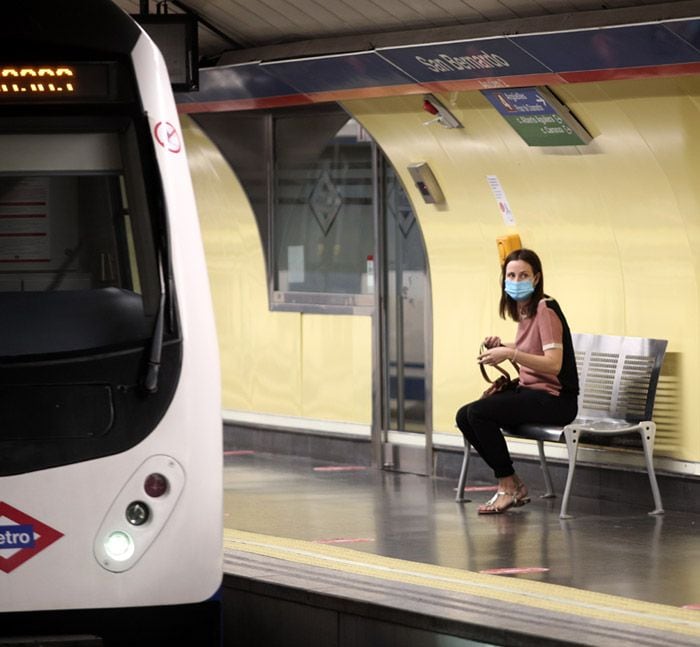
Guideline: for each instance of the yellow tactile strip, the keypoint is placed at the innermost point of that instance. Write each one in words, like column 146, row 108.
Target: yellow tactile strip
column 550, row 597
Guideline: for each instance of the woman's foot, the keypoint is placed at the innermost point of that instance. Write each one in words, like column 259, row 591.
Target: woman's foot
column 521, row 493
column 498, row 503
column 512, row 493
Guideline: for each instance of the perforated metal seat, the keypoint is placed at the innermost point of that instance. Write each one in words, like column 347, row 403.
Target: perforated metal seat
column 618, row 378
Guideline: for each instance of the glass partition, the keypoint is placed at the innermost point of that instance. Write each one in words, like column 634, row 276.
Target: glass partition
column 323, row 212
column 407, row 309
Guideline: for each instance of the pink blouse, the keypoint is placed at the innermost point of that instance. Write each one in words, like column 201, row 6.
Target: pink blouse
column 536, row 335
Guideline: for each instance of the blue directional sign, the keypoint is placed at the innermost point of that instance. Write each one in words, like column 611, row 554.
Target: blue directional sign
column 538, row 117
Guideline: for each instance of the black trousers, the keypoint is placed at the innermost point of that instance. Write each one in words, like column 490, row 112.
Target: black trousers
column 480, row 422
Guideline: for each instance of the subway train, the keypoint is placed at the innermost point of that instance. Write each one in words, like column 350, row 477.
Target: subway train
column 110, row 414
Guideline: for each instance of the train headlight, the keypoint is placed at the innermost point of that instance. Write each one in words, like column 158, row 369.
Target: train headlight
column 137, row 513
column 119, row 546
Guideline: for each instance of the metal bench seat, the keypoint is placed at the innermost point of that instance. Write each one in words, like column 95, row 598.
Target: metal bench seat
column 618, row 377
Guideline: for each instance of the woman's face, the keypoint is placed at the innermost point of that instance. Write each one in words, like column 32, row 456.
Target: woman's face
column 521, row 271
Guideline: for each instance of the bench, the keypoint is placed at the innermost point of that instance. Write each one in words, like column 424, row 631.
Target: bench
column 618, row 378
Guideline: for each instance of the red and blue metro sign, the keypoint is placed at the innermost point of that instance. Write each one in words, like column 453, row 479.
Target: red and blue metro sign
column 21, row 537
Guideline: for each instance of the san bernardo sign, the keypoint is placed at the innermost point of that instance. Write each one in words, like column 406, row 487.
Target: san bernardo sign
column 474, row 59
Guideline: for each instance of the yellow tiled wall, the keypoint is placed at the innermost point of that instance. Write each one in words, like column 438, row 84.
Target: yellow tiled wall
column 616, row 223
column 310, row 366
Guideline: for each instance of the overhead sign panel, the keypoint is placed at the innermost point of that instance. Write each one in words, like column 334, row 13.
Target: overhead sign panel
column 538, row 117
column 688, row 30
column 340, row 72
column 468, row 59
column 615, row 49
column 548, row 58
column 177, row 38
column 236, row 82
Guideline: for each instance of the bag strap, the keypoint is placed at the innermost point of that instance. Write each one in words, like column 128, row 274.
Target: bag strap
column 498, row 367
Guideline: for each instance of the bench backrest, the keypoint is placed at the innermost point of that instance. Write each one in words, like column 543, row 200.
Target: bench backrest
column 617, row 375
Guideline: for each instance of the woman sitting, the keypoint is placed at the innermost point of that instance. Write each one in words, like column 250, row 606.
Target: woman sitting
column 548, row 382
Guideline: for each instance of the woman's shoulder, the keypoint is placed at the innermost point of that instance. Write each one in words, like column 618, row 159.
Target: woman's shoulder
column 549, row 305
column 547, row 302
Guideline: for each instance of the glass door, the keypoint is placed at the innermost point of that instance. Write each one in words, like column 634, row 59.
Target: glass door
column 405, row 331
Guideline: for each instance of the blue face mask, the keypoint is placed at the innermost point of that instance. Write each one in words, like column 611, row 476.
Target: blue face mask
column 519, row 290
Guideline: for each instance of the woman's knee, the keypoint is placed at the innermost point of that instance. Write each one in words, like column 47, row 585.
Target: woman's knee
column 462, row 418
column 475, row 412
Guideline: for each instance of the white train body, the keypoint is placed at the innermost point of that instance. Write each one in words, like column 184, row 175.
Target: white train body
column 115, row 227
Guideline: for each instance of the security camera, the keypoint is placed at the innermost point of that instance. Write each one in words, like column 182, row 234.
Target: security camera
column 442, row 115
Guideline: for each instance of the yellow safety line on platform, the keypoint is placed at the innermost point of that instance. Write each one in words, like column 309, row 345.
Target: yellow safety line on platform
column 552, row 597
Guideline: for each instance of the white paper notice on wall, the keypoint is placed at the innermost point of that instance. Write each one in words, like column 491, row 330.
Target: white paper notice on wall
column 501, row 200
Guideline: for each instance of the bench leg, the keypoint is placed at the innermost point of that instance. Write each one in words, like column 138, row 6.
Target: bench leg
column 549, row 494
column 463, row 475
column 648, row 434
column 572, row 436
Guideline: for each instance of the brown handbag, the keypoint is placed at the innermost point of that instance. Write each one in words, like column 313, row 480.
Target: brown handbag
column 504, row 382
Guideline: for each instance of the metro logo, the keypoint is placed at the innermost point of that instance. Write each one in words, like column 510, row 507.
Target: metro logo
column 21, row 537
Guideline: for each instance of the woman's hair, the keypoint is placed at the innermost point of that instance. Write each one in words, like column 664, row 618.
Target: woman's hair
column 510, row 306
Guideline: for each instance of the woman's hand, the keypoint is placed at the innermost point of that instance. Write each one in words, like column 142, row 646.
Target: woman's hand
column 492, row 342
column 495, row 355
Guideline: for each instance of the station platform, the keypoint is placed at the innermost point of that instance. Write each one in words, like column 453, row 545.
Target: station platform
column 334, row 555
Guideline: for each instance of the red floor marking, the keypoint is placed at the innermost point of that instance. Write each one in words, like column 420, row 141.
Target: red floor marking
column 514, row 571
column 481, row 488
column 695, row 607
column 340, row 468
column 341, row 540
column 239, row 452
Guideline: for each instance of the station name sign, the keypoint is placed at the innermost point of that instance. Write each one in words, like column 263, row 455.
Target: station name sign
column 480, row 61
column 475, row 59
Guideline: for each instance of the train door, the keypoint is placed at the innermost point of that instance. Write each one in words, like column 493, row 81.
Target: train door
column 404, row 331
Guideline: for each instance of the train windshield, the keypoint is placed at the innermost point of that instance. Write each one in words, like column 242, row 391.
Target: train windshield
column 78, row 266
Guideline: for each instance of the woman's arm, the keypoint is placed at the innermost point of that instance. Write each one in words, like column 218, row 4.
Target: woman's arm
column 550, row 362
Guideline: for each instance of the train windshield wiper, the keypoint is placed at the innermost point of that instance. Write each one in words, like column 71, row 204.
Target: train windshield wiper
column 150, row 378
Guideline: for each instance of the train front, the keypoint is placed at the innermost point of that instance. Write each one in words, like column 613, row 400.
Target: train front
column 110, row 427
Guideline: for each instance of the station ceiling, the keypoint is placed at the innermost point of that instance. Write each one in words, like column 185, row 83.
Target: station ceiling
column 230, row 28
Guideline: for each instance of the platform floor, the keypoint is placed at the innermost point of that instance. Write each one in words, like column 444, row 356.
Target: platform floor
column 606, row 550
